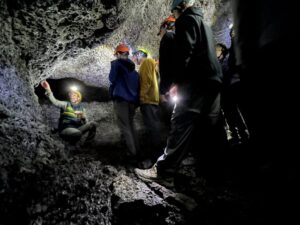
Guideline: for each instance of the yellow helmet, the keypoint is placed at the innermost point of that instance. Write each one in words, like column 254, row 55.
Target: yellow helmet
column 143, row 51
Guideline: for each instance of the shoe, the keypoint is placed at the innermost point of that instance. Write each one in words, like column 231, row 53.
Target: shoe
column 150, row 175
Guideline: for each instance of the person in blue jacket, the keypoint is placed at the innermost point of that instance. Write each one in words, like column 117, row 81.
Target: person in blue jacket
column 124, row 91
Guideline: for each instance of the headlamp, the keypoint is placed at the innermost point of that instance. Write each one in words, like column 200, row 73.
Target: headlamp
column 74, row 88
column 174, row 99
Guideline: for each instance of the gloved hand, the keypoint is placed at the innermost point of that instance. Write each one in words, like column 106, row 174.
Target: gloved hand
column 79, row 114
column 45, row 85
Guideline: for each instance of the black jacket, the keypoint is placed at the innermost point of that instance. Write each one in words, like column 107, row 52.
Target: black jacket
column 166, row 61
column 195, row 49
column 198, row 72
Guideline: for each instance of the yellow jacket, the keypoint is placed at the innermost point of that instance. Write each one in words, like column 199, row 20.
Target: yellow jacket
column 149, row 92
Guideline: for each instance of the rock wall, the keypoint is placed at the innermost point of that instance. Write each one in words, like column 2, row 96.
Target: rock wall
column 60, row 38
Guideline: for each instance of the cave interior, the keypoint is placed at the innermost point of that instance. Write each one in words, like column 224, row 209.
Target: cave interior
column 43, row 179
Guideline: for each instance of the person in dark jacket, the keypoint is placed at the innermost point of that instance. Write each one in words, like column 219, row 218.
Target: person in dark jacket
column 73, row 122
column 167, row 54
column 198, row 81
column 166, row 66
column 124, row 90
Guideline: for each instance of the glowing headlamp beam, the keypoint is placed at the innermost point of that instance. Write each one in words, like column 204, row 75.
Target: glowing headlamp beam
column 74, row 88
column 174, row 99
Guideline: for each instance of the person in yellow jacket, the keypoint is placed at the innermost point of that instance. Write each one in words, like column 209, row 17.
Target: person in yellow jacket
column 149, row 100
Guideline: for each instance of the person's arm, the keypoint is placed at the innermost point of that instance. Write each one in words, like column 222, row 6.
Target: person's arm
column 54, row 101
column 185, row 39
column 49, row 94
column 112, row 78
column 113, row 72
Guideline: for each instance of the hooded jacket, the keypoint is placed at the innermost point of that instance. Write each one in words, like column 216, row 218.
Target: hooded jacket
column 124, row 81
column 196, row 56
column 198, row 72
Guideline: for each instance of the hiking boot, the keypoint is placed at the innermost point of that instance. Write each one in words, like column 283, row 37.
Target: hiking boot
column 150, row 175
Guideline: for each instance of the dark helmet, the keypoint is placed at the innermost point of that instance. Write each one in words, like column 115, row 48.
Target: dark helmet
column 176, row 3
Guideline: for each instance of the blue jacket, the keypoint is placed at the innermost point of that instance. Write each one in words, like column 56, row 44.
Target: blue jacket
column 124, row 79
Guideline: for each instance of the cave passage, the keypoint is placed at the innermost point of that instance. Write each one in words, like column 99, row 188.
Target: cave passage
column 61, row 88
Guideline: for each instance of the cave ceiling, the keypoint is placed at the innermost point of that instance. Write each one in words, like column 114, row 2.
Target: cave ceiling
column 75, row 38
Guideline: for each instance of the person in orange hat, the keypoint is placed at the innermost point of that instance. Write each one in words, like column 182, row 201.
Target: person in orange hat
column 73, row 122
column 124, row 91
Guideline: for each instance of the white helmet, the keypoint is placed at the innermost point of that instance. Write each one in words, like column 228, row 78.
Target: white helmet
column 177, row 2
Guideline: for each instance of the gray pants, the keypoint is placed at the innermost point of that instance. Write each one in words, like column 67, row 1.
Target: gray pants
column 125, row 112
column 74, row 134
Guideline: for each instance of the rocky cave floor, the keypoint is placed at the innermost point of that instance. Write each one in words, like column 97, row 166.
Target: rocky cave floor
column 95, row 184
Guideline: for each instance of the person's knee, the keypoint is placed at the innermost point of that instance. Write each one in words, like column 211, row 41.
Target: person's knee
column 71, row 134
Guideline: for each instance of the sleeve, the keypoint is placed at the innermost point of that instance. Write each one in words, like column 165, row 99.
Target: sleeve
column 113, row 72
column 54, row 101
column 112, row 78
column 157, row 73
column 186, row 39
column 145, row 77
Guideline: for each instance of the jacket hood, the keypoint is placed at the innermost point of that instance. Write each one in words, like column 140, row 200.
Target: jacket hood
column 127, row 63
column 193, row 11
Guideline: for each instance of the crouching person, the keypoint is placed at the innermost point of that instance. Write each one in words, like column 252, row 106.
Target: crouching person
column 72, row 122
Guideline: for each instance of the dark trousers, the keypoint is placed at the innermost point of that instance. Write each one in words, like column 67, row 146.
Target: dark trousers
column 151, row 118
column 73, row 135
column 191, row 130
column 166, row 109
